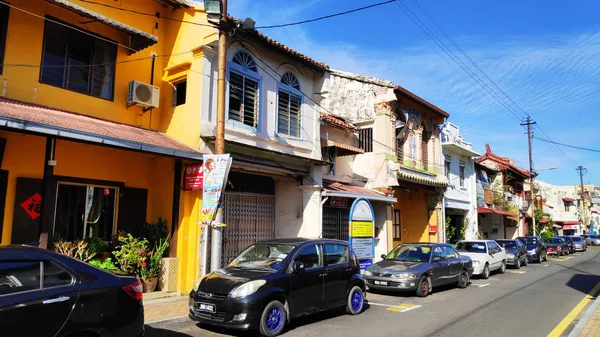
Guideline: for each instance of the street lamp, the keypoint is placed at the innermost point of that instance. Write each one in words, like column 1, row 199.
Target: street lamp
column 214, row 9
column 534, row 173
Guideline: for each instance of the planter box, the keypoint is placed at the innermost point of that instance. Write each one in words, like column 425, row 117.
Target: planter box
column 169, row 274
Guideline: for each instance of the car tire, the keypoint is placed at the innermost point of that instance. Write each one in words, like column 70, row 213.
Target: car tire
column 525, row 261
column 546, row 257
column 424, row 286
column 273, row 319
column 503, row 267
column 518, row 263
column 463, row 279
column 486, row 272
column 355, row 302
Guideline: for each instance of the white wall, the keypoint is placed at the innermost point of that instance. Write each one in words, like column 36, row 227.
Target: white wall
column 288, row 208
column 492, row 222
column 381, row 246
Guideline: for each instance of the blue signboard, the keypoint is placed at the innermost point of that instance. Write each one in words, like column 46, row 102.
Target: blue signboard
column 362, row 231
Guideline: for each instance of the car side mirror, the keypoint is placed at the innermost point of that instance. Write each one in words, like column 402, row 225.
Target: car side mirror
column 383, row 256
column 298, row 267
column 437, row 258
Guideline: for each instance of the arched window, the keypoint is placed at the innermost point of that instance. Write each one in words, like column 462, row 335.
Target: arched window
column 243, row 89
column 289, row 106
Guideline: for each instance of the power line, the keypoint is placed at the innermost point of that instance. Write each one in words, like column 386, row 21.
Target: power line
column 571, row 146
column 327, row 16
column 157, row 15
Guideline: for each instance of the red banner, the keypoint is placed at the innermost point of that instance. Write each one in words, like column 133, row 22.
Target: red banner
column 194, row 177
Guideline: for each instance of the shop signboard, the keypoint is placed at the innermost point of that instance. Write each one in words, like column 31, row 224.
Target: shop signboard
column 194, row 177
column 215, row 172
column 361, row 231
column 339, row 201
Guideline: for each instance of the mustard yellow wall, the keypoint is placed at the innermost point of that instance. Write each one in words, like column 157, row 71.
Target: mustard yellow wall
column 23, row 157
column 188, row 235
column 414, row 216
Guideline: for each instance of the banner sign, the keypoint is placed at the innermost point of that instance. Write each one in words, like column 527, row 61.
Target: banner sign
column 362, row 229
column 215, row 172
column 194, row 177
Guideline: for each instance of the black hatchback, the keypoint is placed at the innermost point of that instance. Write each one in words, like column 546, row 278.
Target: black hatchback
column 43, row 293
column 273, row 281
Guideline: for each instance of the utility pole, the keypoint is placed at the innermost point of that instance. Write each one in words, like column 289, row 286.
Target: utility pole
column 582, row 170
column 217, row 229
column 529, row 122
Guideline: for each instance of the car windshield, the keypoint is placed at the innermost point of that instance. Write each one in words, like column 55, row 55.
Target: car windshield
column 529, row 241
column 262, row 256
column 412, row 253
column 594, row 236
column 566, row 238
column 577, row 239
column 471, row 247
column 557, row 241
column 507, row 244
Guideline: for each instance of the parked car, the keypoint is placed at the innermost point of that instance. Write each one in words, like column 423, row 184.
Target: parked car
column 569, row 242
column 487, row 256
column 536, row 250
column 556, row 246
column 419, row 267
column 595, row 240
column 587, row 239
column 516, row 252
column 578, row 244
column 273, row 281
column 43, row 293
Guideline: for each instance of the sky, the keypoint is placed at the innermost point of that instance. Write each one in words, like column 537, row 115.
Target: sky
column 544, row 55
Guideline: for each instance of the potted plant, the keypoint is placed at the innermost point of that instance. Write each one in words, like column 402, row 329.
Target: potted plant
column 151, row 266
column 130, row 253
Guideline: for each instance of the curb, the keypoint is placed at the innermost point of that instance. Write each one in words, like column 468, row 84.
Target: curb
column 170, row 321
column 585, row 319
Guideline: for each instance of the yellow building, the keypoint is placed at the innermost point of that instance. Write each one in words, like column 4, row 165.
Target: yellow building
column 96, row 123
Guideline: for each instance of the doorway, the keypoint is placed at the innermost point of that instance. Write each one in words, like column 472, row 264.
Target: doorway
column 456, row 228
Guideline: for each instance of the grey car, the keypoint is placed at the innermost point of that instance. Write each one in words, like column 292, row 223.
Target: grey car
column 579, row 244
column 595, row 240
column 419, row 267
column 516, row 252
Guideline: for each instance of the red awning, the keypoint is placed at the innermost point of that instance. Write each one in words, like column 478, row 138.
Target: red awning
column 486, row 210
column 345, row 190
column 569, row 222
column 568, row 199
column 544, row 220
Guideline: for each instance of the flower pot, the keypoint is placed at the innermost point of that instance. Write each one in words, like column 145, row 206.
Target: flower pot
column 149, row 284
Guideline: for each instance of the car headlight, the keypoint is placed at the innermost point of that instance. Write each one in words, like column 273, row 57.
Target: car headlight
column 366, row 273
column 404, row 276
column 510, row 255
column 247, row 288
column 475, row 262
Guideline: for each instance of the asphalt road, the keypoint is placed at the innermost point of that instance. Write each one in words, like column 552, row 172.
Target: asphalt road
column 526, row 302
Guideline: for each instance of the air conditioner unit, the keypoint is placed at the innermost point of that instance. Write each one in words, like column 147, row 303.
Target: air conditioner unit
column 143, row 94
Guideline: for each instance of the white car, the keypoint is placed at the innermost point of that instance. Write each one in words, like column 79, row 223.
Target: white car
column 487, row 256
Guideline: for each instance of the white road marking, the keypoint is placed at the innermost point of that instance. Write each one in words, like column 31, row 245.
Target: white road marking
column 411, row 308
column 517, row 272
column 482, row 285
column 545, row 265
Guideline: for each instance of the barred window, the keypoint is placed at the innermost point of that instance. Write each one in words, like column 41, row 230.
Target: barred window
column 365, row 139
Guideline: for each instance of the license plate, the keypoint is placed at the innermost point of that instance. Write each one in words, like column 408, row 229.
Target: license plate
column 207, row 307
column 381, row 283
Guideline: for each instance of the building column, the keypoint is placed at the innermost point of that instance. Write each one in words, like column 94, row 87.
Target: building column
column 48, row 190
column 312, row 214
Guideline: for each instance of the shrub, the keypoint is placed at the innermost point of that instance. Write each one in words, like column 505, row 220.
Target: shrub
column 77, row 249
column 107, row 264
column 546, row 235
column 131, row 254
column 96, row 244
column 151, row 267
column 153, row 232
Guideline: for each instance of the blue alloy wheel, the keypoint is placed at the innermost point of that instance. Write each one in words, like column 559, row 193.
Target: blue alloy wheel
column 274, row 319
column 357, row 300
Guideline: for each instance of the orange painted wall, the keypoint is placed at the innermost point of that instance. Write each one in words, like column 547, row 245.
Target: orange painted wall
column 414, row 216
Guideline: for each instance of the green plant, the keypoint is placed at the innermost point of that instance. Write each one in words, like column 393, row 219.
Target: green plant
column 450, row 230
column 131, row 253
column 77, row 249
column 153, row 232
column 151, row 267
column 546, row 235
column 107, row 264
column 96, row 244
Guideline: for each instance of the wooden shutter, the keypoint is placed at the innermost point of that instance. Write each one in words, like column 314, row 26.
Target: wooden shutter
column 132, row 209
column 250, row 102
column 236, row 94
column 283, row 120
column 425, row 149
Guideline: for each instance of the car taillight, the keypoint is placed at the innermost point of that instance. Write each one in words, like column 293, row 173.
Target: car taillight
column 135, row 290
column 558, row 248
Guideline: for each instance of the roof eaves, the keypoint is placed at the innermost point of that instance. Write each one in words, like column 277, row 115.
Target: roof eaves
column 400, row 91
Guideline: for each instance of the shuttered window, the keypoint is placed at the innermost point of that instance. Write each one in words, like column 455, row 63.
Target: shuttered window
column 243, row 99
column 365, row 139
column 288, row 121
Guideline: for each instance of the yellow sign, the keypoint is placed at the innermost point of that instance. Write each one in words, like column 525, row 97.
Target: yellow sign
column 361, row 229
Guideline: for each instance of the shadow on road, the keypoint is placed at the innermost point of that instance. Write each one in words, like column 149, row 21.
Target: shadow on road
column 157, row 332
column 584, row 282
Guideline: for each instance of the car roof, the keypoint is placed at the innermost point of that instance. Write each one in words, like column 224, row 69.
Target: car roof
column 426, row 243
column 476, row 240
column 298, row 241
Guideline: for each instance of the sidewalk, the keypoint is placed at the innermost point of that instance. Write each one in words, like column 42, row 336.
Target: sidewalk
column 589, row 325
column 168, row 309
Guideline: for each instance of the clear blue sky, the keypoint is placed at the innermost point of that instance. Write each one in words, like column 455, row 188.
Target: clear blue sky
column 544, row 54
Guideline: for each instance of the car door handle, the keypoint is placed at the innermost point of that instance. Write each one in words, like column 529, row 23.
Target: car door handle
column 348, row 269
column 323, row 275
column 56, row 300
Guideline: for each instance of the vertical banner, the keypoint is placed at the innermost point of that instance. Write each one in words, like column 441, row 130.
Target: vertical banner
column 215, row 172
column 362, row 231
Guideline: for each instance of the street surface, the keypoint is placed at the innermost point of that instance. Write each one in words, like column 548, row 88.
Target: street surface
column 530, row 302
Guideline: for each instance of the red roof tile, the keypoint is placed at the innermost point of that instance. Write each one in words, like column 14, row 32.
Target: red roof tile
column 486, row 210
column 342, row 149
column 337, row 186
column 69, row 121
column 337, row 121
column 503, row 162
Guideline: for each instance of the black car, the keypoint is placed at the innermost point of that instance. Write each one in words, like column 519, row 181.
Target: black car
column 273, row 281
column 570, row 243
column 43, row 293
column 536, row 250
column 556, row 246
column 516, row 252
column 419, row 267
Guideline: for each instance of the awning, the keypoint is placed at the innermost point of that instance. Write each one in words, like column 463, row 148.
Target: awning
column 339, row 189
column 544, row 220
column 342, row 149
column 20, row 116
column 139, row 39
column 568, row 200
column 422, row 179
column 486, row 210
column 568, row 222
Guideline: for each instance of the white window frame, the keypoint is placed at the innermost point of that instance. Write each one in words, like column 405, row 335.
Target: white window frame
column 244, row 72
column 462, row 172
column 291, row 91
